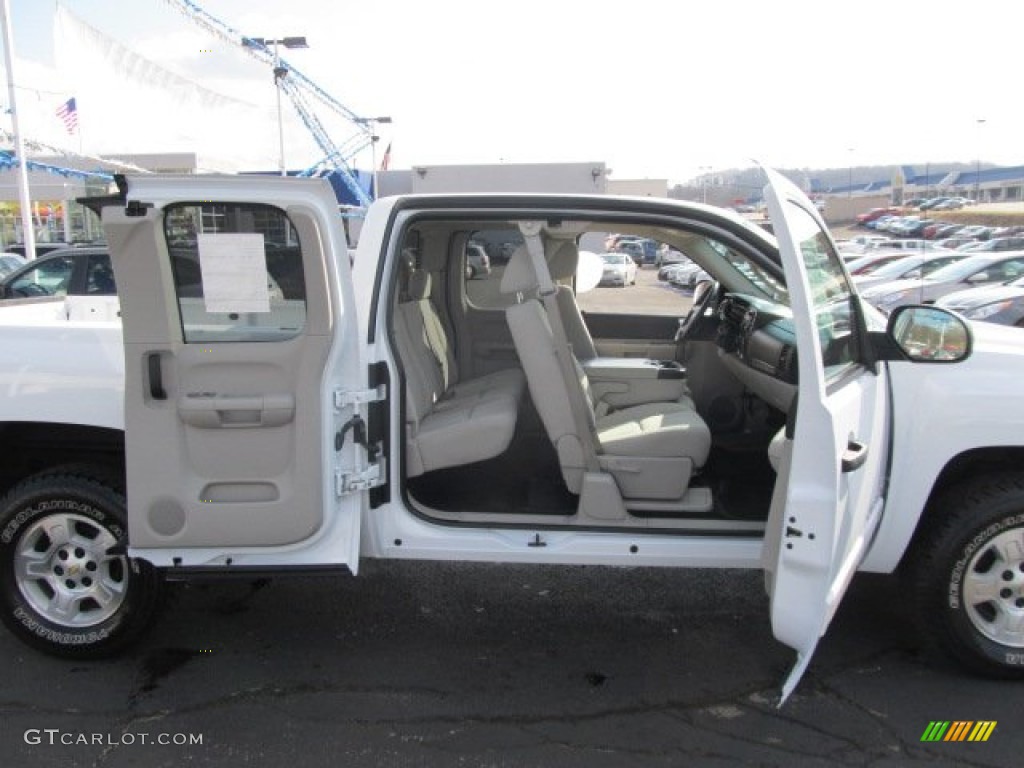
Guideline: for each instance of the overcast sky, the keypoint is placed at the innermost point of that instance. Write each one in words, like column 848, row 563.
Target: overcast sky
column 655, row 88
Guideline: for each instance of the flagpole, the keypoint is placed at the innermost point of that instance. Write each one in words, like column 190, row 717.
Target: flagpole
column 29, row 234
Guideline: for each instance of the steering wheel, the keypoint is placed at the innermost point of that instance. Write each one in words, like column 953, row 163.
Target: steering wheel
column 705, row 295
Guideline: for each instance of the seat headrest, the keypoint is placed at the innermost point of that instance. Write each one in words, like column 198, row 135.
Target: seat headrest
column 419, row 285
column 563, row 259
column 519, row 276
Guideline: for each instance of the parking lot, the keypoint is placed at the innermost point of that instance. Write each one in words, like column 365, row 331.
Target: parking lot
column 648, row 296
column 431, row 664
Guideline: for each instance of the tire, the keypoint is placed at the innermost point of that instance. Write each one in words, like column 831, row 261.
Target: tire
column 61, row 592
column 967, row 575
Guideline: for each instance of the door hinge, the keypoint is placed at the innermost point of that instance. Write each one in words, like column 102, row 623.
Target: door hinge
column 349, row 397
column 355, row 480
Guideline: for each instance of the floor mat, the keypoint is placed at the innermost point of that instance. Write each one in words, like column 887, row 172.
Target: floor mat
column 741, row 483
column 524, row 479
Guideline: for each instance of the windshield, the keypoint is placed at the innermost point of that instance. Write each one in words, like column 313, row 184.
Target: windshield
column 613, row 258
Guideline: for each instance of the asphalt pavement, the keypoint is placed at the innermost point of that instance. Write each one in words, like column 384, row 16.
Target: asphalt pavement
column 438, row 664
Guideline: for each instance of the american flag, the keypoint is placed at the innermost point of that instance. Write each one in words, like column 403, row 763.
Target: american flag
column 68, row 112
column 386, row 161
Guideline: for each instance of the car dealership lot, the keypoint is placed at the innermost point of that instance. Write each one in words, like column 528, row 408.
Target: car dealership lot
column 462, row 664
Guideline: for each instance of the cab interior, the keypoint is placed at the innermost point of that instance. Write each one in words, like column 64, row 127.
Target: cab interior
column 522, row 409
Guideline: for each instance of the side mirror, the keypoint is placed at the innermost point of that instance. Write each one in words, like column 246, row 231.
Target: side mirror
column 914, row 274
column 927, row 334
column 978, row 277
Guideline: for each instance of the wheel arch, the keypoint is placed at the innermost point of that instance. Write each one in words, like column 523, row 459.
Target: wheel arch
column 969, row 464
column 27, row 448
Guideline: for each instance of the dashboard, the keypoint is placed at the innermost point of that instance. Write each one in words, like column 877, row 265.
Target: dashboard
column 756, row 341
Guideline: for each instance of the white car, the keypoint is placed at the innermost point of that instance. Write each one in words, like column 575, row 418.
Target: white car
column 619, row 269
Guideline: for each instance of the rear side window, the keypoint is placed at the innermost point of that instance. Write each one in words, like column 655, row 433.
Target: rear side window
column 485, row 257
column 237, row 272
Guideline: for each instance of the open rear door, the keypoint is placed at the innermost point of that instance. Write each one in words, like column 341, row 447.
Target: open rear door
column 828, row 498
column 242, row 368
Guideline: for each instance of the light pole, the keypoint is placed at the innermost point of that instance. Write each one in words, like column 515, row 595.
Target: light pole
column 977, row 165
column 279, row 74
column 371, row 123
column 28, row 234
column 849, row 174
column 705, row 171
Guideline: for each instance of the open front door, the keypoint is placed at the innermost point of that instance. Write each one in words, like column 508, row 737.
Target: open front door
column 828, row 497
column 242, row 367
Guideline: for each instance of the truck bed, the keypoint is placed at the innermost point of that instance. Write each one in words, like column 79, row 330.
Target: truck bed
column 61, row 361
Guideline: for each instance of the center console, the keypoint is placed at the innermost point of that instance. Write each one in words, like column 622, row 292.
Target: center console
column 624, row 381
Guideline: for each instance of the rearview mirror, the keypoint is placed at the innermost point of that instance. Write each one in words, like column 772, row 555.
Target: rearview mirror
column 927, row 334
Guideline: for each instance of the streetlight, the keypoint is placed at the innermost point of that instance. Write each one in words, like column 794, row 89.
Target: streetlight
column 849, row 175
column 977, row 165
column 705, row 171
column 279, row 74
column 371, row 124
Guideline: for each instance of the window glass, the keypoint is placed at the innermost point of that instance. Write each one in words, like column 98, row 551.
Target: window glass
column 237, row 272
column 831, row 295
column 50, row 278
column 483, row 262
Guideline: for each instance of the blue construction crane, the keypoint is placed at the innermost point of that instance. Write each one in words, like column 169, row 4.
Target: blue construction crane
column 298, row 87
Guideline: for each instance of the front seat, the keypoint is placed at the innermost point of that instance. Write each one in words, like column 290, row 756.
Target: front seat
column 563, row 258
column 650, row 450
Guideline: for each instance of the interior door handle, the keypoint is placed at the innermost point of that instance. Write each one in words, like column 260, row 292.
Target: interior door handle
column 154, row 371
column 209, row 410
column 854, row 456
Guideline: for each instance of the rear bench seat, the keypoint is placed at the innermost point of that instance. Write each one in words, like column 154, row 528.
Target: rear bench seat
column 448, row 422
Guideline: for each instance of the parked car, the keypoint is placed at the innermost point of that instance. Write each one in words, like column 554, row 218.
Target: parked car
column 975, row 270
column 913, row 227
column 1003, row 303
column 42, row 249
column 976, row 231
column 947, row 230
column 1015, row 243
column 665, row 271
column 858, row 245
column 875, row 213
column 619, row 269
column 872, row 260
column 74, row 271
column 478, row 263
column 688, row 276
column 881, row 222
column 909, row 268
column 954, row 243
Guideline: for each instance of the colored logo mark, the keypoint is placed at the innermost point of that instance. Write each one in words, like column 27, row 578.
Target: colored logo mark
column 958, row 730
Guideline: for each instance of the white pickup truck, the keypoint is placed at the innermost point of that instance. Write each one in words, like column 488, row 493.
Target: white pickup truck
column 270, row 407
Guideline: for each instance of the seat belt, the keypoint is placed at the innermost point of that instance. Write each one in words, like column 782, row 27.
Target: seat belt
column 582, row 413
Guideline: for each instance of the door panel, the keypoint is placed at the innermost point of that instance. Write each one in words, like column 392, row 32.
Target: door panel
column 639, row 336
column 231, row 365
